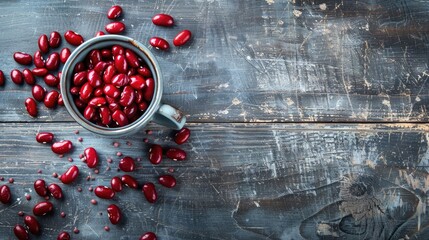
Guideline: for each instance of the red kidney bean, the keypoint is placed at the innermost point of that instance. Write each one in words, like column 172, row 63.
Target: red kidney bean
column 70, row 175
column 106, row 54
column 114, row 106
column 54, row 39
column 176, row 154
column 131, row 110
column 137, row 82
column 80, row 78
column 5, row 195
column 182, row 38
column 98, row 92
column 100, row 66
column 63, row 236
column 51, row 99
column 120, row 80
column 120, row 118
column 32, row 224
column 79, row 103
column 118, row 50
column 121, row 63
column 104, row 192
column 73, row 38
column 31, row 106
column 111, row 91
column 62, row 147
column 114, row 12
column 114, row 214
column 53, row 61
column 99, row 33
column 127, row 96
column 167, row 181
column 75, row 90
column 94, row 78
column 91, row 157
column 43, row 43
column 108, row 74
column 139, row 96
column 132, row 58
column 65, row 54
column 60, row 100
column 40, row 187
column 148, row 236
column 16, row 76
column 129, row 181
column 150, row 192
column 131, row 72
column 28, row 77
column 164, row 20
column 182, row 136
column 20, row 232
column 89, row 113
column 95, row 56
column 23, row 58
column 79, row 67
column 38, row 59
column 51, row 80
column 40, row 72
column 1, row 78
column 86, row 91
column 44, row 137
column 155, row 154
column 55, row 191
column 149, row 90
column 143, row 106
column 127, row 164
column 144, row 71
column 115, row 27
column 116, row 184
column 97, row 102
column 105, row 116
column 159, row 43
column 43, row 208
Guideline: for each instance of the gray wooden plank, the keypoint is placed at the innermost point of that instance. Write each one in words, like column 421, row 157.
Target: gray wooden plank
column 271, row 61
column 241, row 181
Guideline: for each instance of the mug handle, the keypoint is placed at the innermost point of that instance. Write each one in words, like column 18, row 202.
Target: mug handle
column 170, row 117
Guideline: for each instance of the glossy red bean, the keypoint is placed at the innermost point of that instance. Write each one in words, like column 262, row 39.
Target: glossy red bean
column 139, row 96
column 89, row 113
column 43, row 208
column 148, row 236
column 94, row 78
column 51, row 80
column 144, row 71
column 127, row 164
column 79, row 103
column 98, row 92
column 176, row 154
column 149, row 90
column 31, row 106
column 2, row 78
column 86, row 91
column 79, row 67
column 20, row 232
column 108, row 74
column 111, row 91
column 75, row 90
column 115, row 27
column 55, row 191
column 104, row 192
column 51, row 99
column 95, row 56
column 114, row 214
column 5, row 195
column 105, row 116
column 143, row 106
column 120, row 118
column 38, row 59
column 62, row 147
column 131, row 72
column 163, row 20
column 40, row 187
column 114, row 12
column 28, row 77
column 100, row 66
column 80, row 78
column 54, row 39
column 43, row 43
column 127, row 96
column 137, row 82
column 44, row 137
column 150, row 192
column 97, row 102
column 167, row 181
column 132, row 58
column 40, row 72
column 99, row 33
column 182, row 136
column 116, row 184
column 60, row 100
column 32, row 224
column 159, row 43
column 106, row 54
column 70, row 175
column 131, row 111
column 120, row 80
column 23, row 58
column 73, row 38
column 118, row 50
column 114, row 106
column 63, row 236
column 91, row 157
column 182, row 38
column 53, row 61
column 129, row 181
column 16, row 76
column 121, row 64
column 155, row 154
column 65, row 54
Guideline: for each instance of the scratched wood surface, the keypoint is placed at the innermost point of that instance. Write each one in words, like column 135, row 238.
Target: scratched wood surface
column 307, row 118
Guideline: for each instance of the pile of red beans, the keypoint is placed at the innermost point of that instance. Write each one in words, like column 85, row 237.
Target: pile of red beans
column 112, row 87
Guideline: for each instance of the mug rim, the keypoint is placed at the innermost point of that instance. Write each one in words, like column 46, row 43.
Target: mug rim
column 76, row 56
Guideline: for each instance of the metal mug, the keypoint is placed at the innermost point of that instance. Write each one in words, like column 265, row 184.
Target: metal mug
column 157, row 112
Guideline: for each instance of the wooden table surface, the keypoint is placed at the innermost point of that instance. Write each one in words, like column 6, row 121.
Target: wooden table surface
column 308, row 121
